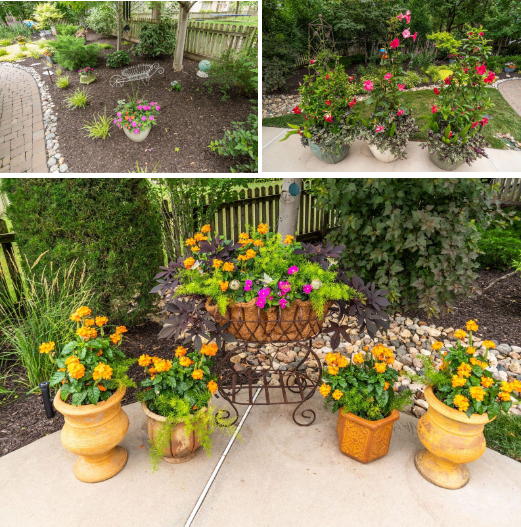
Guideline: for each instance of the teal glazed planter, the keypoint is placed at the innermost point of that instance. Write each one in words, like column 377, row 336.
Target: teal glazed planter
column 330, row 158
column 509, row 70
column 445, row 164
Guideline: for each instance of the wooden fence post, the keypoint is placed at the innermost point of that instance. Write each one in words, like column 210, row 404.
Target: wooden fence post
column 6, row 242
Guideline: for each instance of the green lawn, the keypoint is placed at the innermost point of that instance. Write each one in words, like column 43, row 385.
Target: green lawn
column 505, row 119
column 504, row 435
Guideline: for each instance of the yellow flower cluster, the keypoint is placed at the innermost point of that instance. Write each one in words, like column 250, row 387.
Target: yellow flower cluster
column 189, row 262
column 46, row 347
column 197, row 374
column 263, row 228
column 180, row 351
column 358, row 358
column 75, row 368
column 83, row 311
column 209, row 349
column 86, row 333
column 102, row 371
column 212, row 386
column 325, row 390
column 335, row 361
column 461, row 402
column 289, row 239
column 223, row 286
column 383, row 354
column 198, row 236
column 185, row 361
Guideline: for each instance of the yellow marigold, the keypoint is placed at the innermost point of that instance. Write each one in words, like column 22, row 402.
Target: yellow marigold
column 488, row 344
column 460, row 334
column 144, row 360
column 206, row 228
column 487, row 382
column 197, row 374
column 504, row 396
column 483, row 364
column 250, row 253
column 89, row 322
column 198, row 236
column 472, row 326
column 71, row 359
column 507, row 387
column 470, row 350
column 358, row 358
column 289, row 239
column 76, row 370
column 196, row 249
column 436, row 345
column 474, row 361
column 331, row 357
column 121, row 329
column 477, row 393
column 162, row 365
column 244, row 236
column 83, row 332
column 258, row 243
column 458, row 381
column 378, row 351
column 189, row 242
column 242, row 258
column 223, row 286
column 217, row 263
column 262, row 228
column 333, row 370
column 189, row 262
column 212, row 386
column 46, row 347
column 115, row 338
column 464, row 369
column 101, row 321
column 324, row 390
column 386, row 385
column 102, row 388
column 84, row 311
column 180, row 351
column 228, row 267
column 185, row 361
column 75, row 317
column 102, row 371
column 209, row 349
column 153, row 370
column 380, row 367
column 337, row 394
column 342, row 361
column 461, row 402
column 62, row 369
column 517, row 386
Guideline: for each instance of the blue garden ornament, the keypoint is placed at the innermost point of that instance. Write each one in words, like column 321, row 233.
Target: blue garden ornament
column 294, row 189
column 204, row 65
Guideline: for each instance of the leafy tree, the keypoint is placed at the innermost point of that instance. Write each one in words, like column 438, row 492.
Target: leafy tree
column 46, row 13
column 20, row 10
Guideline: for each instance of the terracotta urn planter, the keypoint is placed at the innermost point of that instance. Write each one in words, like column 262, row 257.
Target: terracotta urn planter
column 181, row 446
column 364, row 440
column 93, row 432
column 329, row 157
column 451, row 439
column 386, row 156
column 137, row 138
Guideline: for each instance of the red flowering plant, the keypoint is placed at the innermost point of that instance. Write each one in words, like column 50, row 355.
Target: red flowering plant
column 331, row 115
column 391, row 125
column 456, row 120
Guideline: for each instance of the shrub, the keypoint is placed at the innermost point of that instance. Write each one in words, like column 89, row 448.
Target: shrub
column 278, row 62
column 157, row 39
column 65, row 30
column 241, row 141
column 62, row 82
column 42, row 43
column 500, row 247
column 72, row 53
column 495, row 64
column 234, row 70
column 105, row 46
column 4, row 42
column 112, row 225
column 102, row 19
column 445, row 43
column 78, row 99
column 437, row 73
column 118, row 59
column 406, row 236
column 412, row 79
column 100, row 127
column 45, row 13
column 3, row 52
column 35, row 55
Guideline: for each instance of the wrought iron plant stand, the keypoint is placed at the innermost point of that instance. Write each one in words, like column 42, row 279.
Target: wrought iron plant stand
column 238, row 386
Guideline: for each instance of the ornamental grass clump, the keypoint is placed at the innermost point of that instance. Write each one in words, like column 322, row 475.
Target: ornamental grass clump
column 99, row 128
column 79, row 99
column 391, row 125
column 92, row 366
column 330, row 110
column 464, row 381
column 62, row 82
column 364, row 384
column 456, row 120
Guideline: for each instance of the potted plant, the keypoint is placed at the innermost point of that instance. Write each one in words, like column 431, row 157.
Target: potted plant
column 455, row 122
column 176, row 396
column 92, row 379
column 136, row 118
column 390, row 126
column 452, row 58
column 86, row 75
column 49, row 53
column 510, row 67
column 21, row 39
column 330, row 110
column 463, row 397
column 362, row 389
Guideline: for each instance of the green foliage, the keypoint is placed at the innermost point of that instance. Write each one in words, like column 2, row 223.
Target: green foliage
column 175, row 86
column 106, row 46
column 234, row 70
column 242, row 141
column 63, row 81
column 100, row 127
column 52, row 294
column 19, row 56
column 118, row 59
column 495, row 63
column 405, row 236
column 23, row 47
column 45, row 13
column 3, row 52
column 4, row 42
column 102, row 19
column 278, row 62
column 437, row 73
column 157, row 39
column 78, row 99
column 112, row 225
column 504, row 435
column 72, row 54
column 445, row 42
column 412, row 79
column 66, row 30
column 42, row 43
column 500, row 247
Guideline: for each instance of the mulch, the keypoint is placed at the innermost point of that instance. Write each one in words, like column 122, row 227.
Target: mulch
column 188, row 121
column 497, row 311
column 293, row 84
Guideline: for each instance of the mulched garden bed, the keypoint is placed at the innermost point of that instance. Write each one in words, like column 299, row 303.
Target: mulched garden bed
column 497, row 311
column 189, row 120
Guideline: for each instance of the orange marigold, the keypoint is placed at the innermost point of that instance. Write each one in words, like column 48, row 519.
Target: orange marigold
column 101, row 321
column 337, row 394
column 470, row 350
column 333, row 370
column 461, row 402
column 507, row 387
column 342, row 361
column 223, row 286
column 102, row 388
column 258, row 243
column 84, row 311
column 206, row 228
column 46, row 347
column 487, row 382
column 289, row 239
column 121, row 329
column 228, row 267
column 197, row 374
column 436, row 345
column 180, row 351
column 209, row 349
column 386, row 385
column 458, row 381
column 189, row 262
column 198, row 236
column 477, row 393
column 504, row 396
column 89, row 322
column 102, row 371
column 217, row 263
column 358, row 358
column 263, row 228
column 212, row 386
column 464, row 369
column 250, row 253
column 472, row 326
column 115, row 338
column 76, row 370
column 460, row 334
column 380, row 367
column 162, row 365
column 144, row 360
column 189, row 242
column 185, row 361
column 325, row 390
column 488, row 344
column 75, row 317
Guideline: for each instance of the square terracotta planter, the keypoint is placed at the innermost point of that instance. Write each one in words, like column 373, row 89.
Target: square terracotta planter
column 364, row 440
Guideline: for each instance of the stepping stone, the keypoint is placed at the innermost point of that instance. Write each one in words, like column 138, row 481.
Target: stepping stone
column 36, row 64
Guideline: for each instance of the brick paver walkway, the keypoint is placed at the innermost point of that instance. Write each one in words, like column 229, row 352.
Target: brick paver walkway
column 22, row 145
column 511, row 91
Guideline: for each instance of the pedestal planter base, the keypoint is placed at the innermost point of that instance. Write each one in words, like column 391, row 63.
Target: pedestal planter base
column 445, row 164
column 330, row 158
column 385, row 156
column 441, row 472
column 88, row 469
column 137, row 138
column 87, row 79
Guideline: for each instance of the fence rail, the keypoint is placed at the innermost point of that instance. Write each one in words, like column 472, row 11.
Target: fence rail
column 509, row 190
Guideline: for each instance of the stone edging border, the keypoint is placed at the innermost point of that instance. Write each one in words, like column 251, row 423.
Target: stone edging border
column 49, row 120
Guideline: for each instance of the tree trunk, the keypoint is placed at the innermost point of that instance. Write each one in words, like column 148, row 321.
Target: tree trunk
column 184, row 8
column 289, row 207
column 156, row 11
column 237, row 8
column 118, row 15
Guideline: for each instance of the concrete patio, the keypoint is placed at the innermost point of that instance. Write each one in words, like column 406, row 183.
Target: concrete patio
column 279, row 474
column 291, row 156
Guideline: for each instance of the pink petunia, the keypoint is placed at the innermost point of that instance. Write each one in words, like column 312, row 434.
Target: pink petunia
column 118, row 125
column 406, row 34
column 143, row 118
column 415, row 36
column 434, row 109
column 140, row 107
column 401, row 87
column 158, row 108
column 151, row 117
column 119, row 114
column 394, row 44
column 115, row 121
column 400, row 17
column 136, row 131
column 379, row 129
column 260, row 302
column 134, row 124
column 152, row 103
column 408, row 17
column 247, row 285
column 283, row 303
column 388, row 77
column 293, row 269
column 328, row 117
column 368, row 85
column 400, row 112
column 119, row 120
column 307, row 289
column 483, row 121
column 138, row 102
column 480, row 70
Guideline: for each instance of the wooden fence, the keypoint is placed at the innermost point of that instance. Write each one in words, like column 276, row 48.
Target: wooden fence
column 11, row 274
column 509, row 191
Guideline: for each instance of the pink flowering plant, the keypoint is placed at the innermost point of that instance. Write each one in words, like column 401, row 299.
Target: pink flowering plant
column 456, row 120
column 137, row 115
column 391, row 125
column 86, row 71
column 331, row 114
